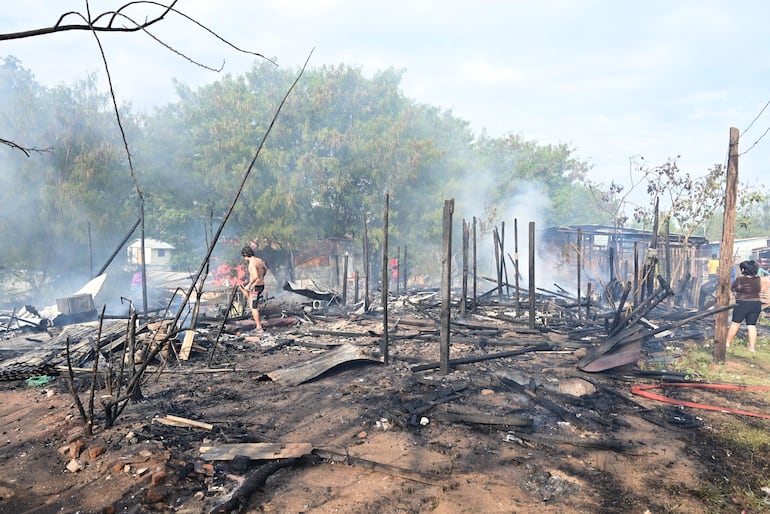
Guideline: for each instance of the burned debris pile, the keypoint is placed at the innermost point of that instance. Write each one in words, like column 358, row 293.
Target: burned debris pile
column 329, row 380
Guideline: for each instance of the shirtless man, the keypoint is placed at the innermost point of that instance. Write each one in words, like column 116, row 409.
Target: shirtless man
column 254, row 288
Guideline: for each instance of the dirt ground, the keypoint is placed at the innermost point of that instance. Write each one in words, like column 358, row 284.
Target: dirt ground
column 412, row 440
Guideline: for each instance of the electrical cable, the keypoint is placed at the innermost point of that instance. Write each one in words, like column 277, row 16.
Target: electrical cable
column 755, row 118
column 755, row 142
column 751, row 125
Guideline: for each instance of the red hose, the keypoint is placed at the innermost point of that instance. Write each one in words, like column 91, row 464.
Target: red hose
column 643, row 390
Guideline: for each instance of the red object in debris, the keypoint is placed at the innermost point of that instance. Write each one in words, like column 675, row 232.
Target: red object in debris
column 225, row 275
column 643, row 390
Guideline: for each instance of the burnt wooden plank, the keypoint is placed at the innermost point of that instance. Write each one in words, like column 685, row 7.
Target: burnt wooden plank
column 255, row 451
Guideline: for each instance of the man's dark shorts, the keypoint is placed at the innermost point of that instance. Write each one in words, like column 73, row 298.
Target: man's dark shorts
column 747, row 310
column 256, row 294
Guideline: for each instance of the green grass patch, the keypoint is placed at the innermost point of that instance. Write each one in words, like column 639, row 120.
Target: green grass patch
column 740, row 367
column 743, row 434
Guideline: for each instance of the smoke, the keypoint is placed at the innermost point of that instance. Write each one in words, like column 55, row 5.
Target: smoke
column 510, row 216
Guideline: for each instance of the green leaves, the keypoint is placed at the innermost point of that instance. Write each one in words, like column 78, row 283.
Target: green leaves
column 342, row 141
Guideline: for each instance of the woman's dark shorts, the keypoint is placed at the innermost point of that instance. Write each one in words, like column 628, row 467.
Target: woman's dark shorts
column 747, row 310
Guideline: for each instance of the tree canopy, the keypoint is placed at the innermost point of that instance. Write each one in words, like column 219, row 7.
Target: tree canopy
column 342, row 140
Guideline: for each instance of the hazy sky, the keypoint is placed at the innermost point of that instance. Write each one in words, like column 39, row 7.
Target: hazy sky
column 612, row 78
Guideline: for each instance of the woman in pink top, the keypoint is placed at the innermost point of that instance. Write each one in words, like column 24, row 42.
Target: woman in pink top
column 746, row 289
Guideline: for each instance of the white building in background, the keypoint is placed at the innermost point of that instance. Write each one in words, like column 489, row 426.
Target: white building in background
column 158, row 254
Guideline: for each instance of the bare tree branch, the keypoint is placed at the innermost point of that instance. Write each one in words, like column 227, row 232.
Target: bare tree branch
column 25, row 149
column 108, row 27
column 106, row 22
column 228, row 43
column 98, row 24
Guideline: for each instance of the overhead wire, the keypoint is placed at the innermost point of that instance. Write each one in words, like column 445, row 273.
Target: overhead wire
column 755, row 142
column 752, row 124
column 756, row 118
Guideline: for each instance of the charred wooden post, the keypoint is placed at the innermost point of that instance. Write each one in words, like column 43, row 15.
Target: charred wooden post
column 475, row 265
column 726, row 250
column 446, row 284
column 588, row 300
column 652, row 255
column 464, row 297
column 385, row 281
column 611, row 249
column 498, row 269
column 532, row 275
column 667, row 250
column 621, row 306
column 398, row 269
column 504, row 270
column 636, row 273
column 579, row 262
column 355, row 286
column 402, row 269
column 73, row 392
column 516, row 263
column 663, row 292
column 367, row 267
column 345, row 280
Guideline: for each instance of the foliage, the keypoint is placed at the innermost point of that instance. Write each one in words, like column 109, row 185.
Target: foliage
column 521, row 178
column 342, row 141
column 691, row 204
column 19, row 203
column 690, row 201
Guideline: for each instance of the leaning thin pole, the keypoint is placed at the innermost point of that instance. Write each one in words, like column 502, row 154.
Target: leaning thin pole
column 215, row 238
column 118, row 248
column 238, row 192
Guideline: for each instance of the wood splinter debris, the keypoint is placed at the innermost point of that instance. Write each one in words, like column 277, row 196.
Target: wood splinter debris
column 176, row 421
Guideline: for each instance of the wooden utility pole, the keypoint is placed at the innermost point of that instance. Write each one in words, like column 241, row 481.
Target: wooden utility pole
column 726, row 248
column 446, row 284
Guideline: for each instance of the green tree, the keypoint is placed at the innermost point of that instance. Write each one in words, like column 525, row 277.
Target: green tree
column 695, row 204
column 85, row 182
column 340, row 142
column 515, row 167
column 20, row 194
